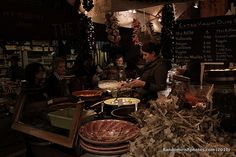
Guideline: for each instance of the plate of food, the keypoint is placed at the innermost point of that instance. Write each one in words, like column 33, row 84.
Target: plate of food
column 122, row 101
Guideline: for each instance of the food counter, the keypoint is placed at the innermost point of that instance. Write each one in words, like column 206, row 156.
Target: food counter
column 181, row 122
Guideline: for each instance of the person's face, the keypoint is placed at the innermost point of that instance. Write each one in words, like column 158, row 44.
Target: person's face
column 40, row 76
column 119, row 61
column 61, row 68
column 148, row 57
column 14, row 62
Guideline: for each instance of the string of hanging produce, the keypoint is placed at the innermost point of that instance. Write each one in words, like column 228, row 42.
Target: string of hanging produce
column 151, row 28
column 91, row 36
column 167, row 31
column 112, row 29
column 136, row 25
column 88, row 5
column 81, row 44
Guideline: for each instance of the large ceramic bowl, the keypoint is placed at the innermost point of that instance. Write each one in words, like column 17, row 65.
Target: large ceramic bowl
column 108, row 131
column 89, row 95
column 108, row 84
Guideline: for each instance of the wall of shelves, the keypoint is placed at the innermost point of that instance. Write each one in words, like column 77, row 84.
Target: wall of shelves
column 3, row 65
column 32, row 51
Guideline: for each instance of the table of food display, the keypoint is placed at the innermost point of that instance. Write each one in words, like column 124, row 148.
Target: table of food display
column 184, row 123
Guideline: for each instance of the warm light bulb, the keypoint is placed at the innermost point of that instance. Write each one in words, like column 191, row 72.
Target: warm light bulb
column 196, row 5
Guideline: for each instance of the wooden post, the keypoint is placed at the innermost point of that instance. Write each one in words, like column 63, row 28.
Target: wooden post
column 213, row 8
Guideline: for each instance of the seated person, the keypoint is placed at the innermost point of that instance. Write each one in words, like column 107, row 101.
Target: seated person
column 116, row 71
column 15, row 72
column 84, row 70
column 55, row 84
column 154, row 73
column 97, row 76
column 36, row 105
column 35, row 101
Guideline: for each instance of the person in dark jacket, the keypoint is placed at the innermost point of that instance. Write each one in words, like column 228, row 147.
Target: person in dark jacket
column 154, row 73
column 35, row 100
column 15, row 72
column 116, row 71
column 84, row 70
column 55, row 84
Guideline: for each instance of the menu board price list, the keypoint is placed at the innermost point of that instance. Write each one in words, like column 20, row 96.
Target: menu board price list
column 208, row 39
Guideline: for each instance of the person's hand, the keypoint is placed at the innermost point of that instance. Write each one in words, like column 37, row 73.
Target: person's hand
column 137, row 83
column 123, row 84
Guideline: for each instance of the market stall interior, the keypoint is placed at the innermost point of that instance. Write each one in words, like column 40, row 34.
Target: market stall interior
column 192, row 111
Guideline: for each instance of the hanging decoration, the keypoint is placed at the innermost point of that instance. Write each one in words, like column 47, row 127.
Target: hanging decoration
column 167, row 31
column 82, row 44
column 136, row 32
column 91, row 36
column 88, row 5
column 77, row 4
column 112, row 29
column 150, row 28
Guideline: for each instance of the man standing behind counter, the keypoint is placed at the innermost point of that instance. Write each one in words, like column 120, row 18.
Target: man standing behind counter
column 154, row 73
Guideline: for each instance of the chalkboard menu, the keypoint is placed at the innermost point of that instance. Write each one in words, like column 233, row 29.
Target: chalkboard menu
column 207, row 39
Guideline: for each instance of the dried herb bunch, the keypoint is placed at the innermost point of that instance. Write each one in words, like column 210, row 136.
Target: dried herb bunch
column 165, row 126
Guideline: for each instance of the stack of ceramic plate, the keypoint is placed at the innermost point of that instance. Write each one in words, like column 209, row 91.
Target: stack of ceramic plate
column 107, row 137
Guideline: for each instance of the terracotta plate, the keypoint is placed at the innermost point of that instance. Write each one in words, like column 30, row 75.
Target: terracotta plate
column 104, row 148
column 104, row 152
column 87, row 93
column 109, row 131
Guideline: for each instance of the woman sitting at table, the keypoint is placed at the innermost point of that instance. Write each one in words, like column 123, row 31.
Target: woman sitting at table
column 35, row 102
column 34, row 98
column 154, row 73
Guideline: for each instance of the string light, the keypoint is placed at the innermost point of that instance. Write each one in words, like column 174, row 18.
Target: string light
column 91, row 36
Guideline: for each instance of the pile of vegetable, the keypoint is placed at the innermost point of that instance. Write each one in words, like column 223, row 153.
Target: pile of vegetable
column 167, row 131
